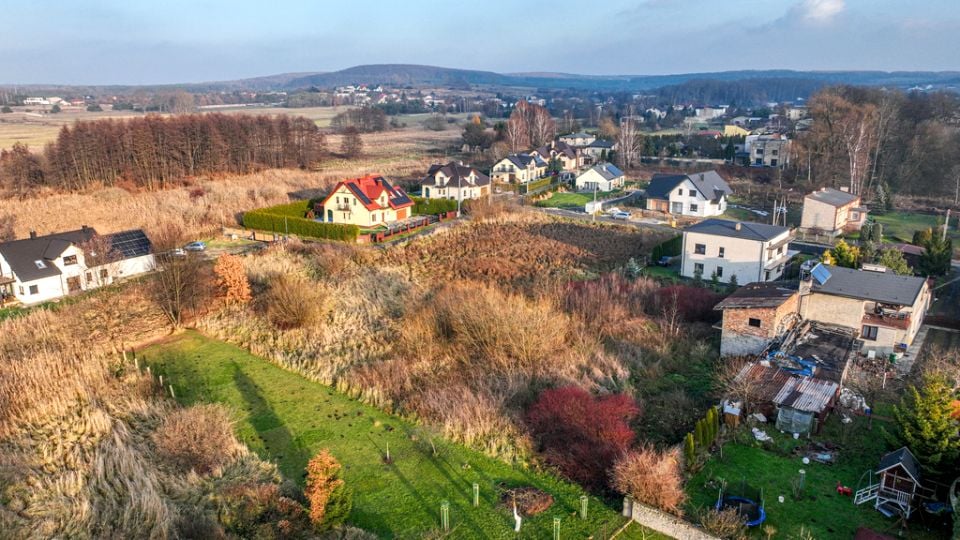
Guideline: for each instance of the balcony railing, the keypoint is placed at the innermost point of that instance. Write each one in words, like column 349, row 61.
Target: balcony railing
column 899, row 320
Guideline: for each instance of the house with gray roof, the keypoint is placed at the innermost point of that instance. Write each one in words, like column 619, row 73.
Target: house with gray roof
column 600, row 177
column 597, row 150
column 699, row 194
column 519, row 168
column 579, row 139
column 832, row 212
column 454, row 181
column 885, row 309
column 752, row 252
column 43, row 268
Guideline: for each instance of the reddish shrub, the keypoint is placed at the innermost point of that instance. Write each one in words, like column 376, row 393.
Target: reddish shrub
column 692, row 304
column 580, row 434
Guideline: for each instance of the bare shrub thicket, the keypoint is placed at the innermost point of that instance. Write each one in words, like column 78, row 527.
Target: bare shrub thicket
column 651, row 477
column 726, row 524
column 294, row 302
column 199, row 438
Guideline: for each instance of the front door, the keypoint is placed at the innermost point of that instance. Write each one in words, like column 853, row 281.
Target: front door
column 73, row 284
column 330, row 216
column 676, row 208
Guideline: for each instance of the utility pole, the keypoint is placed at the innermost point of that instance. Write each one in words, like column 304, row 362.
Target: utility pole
column 946, row 225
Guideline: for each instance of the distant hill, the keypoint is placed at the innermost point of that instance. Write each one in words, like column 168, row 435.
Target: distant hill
column 417, row 75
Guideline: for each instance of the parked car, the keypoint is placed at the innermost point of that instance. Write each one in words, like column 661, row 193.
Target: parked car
column 195, row 246
column 178, row 252
column 621, row 215
column 665, row 260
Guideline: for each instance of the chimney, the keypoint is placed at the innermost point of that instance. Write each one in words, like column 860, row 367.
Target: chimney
column 84, row 228
column 737, row 226
column 33, row 234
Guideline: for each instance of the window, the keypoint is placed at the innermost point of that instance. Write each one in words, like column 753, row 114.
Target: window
column 70, row 260
column 773, row 162
column 780, row 250
column 21, row 290
column 698, row 268
column 719, row 271
column 754, row 322
column 34, row 289
column 766, row 276
column 720, row 254
column 869, row 332
column 89, row 277
column 40, row 264
column 104, row 274
column 693, row 208
column 700, row 249
column 773, row 152
column 759, row 151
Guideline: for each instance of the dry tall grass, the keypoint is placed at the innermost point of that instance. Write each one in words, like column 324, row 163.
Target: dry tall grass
column 78, row 427
column 651, row 477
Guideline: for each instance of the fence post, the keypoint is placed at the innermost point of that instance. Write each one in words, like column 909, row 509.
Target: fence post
column 476, row 494
column 445, row 515
column 556, row 528
column 583, row 506
column 172, row 395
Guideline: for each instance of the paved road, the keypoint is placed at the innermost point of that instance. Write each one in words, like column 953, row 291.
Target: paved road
column 573, row 214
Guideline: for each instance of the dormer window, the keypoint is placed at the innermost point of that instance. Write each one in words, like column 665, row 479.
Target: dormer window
column 70, row 260
column 40, row 264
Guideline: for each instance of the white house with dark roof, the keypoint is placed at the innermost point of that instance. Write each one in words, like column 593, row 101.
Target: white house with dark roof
column 750, row 251
column 699, row 194
column 519, row 169
column 454, row 181
column 566, row 155
column 578, row 140
column 602, row 177
column 598, row 149
column 43, row 268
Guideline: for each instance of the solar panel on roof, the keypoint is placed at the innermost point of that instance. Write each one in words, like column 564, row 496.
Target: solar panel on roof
column 130, row 243
column 820, row 273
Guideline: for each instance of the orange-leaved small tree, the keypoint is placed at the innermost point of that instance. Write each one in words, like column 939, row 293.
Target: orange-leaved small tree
column 330, row 499
column 232, row 279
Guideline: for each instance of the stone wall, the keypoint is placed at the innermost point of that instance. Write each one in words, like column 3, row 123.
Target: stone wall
column 663, row 522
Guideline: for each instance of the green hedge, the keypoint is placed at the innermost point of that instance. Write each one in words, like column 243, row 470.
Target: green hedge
column 425, row 207
column 289, row 219
column 670, row 248
column 537, row 184
column 294, row 209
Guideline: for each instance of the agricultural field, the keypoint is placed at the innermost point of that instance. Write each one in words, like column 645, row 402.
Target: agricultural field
column 286, row 418
column 817, row 509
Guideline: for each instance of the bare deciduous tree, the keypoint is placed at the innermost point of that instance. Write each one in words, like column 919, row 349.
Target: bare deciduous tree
column 629, row 142
column 542, row 127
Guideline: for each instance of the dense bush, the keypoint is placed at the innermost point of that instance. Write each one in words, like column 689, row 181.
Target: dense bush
column 651, row 477
column 329, row 497
column 582, row 435
column 293, row 302
column 424, row 207
column 261, row 511
column 199, row 438
column 692, row 304
column 284, row 219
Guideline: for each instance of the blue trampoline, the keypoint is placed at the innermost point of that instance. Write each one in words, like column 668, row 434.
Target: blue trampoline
column 746, row 500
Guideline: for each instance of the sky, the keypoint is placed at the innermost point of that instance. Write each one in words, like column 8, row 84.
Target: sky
column 180, row 41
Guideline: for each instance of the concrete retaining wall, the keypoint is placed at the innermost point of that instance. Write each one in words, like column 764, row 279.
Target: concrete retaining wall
column 663, row 522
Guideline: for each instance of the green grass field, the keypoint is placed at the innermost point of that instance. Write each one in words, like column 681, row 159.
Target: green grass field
column 287, row 419
column 821, row 511
column 575, row 201
column 900, row 226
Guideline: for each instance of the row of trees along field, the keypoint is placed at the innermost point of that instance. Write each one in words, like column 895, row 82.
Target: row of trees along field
column 879, row 141
column 154, row 151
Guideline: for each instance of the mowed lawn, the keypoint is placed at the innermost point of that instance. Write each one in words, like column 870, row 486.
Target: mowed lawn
column 900, row 226
column 286, row 418
column 821, row 511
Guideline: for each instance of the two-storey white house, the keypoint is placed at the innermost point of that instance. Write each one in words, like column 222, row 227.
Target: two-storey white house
column 699, row 194
column 42, row 268
column 754, row 252
column 519, row 169
column 454, row 181
column 600, row 177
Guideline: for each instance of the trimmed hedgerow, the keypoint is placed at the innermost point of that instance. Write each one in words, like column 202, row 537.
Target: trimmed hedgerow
column 290, row 219
column 425, row 207
column 670, row 248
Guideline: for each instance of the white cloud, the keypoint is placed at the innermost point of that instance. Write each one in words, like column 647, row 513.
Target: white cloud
column 820, row 11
